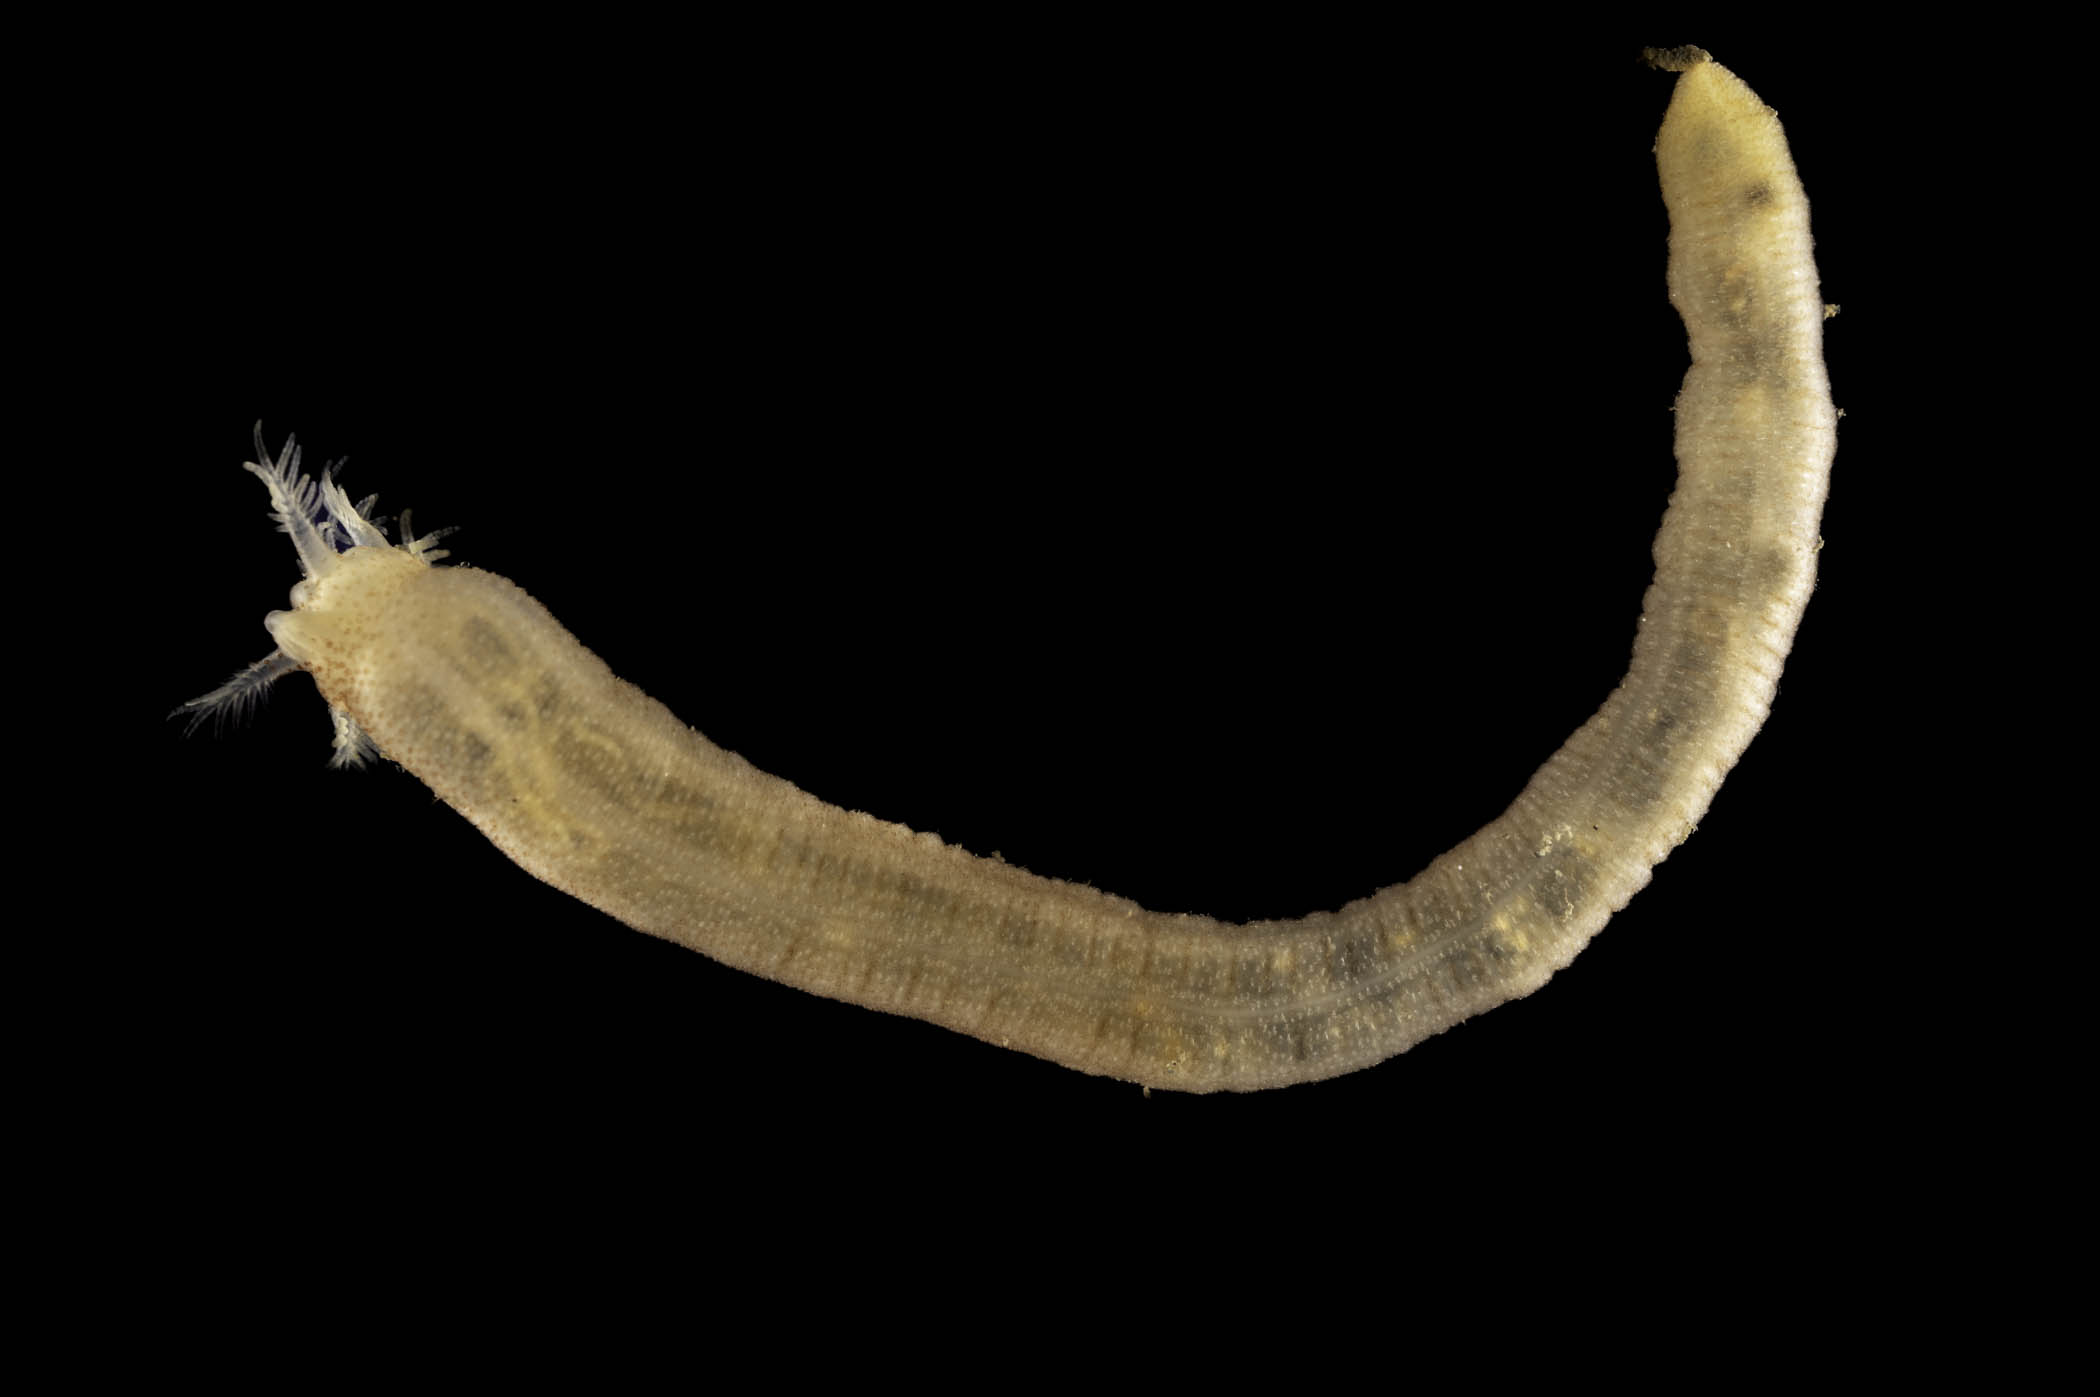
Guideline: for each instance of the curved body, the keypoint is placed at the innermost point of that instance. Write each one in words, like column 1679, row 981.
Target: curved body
column 596, row 788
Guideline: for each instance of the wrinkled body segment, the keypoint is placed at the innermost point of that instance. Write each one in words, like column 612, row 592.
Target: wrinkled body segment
column 596, row 788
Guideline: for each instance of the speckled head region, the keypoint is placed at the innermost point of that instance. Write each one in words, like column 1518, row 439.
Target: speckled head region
column 346, row 566
column 599, row 790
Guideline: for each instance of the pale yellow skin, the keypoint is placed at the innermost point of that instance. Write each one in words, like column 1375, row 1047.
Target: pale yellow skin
column 596, row 788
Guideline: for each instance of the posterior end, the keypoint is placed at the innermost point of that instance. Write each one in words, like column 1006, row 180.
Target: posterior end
column 1677, row 60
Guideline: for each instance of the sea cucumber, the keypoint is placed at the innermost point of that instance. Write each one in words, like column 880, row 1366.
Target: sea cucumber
column 466, row 681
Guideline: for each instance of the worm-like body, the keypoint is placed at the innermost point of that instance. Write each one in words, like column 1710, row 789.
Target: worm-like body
column 591, row 785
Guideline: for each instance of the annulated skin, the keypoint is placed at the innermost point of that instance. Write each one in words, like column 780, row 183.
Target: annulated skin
column 593, row 786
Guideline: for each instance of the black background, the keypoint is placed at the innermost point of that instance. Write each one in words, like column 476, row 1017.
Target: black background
column 1216, row 466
